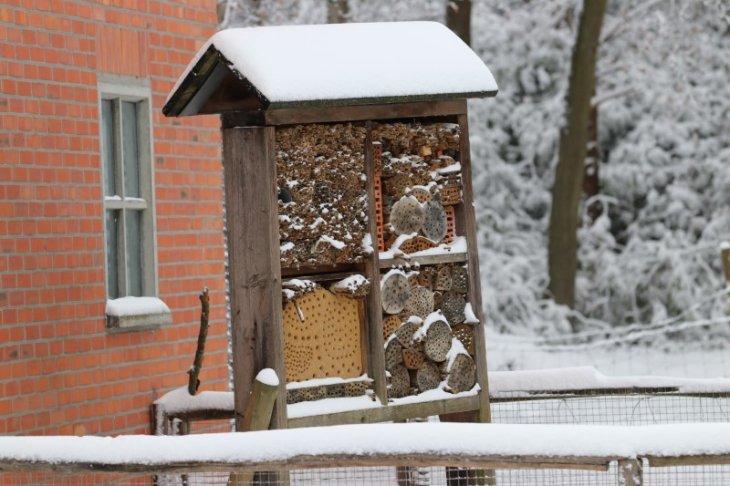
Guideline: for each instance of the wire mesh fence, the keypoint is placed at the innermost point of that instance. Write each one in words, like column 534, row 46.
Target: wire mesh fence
column 611, row 407
column 526, row 475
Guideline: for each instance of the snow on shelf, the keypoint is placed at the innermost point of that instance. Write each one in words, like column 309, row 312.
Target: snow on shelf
column 455, row 251
column 135, row 306
column 447, row 439
column 334, row 62
column 179, row 401
column 335, row 380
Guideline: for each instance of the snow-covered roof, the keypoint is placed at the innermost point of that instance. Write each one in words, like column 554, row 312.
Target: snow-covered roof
column 328, row 65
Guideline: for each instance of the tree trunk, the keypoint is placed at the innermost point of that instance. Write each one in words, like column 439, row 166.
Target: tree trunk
column 338, row 11
column 458, row 18
column 568, row 187
column 591, row 179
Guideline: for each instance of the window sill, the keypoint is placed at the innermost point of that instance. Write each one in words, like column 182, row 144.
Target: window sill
column 128, row 314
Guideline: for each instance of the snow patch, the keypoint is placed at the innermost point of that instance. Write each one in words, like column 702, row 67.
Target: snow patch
column 135, row 306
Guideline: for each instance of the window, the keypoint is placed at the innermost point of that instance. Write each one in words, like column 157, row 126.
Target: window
column 129, row 232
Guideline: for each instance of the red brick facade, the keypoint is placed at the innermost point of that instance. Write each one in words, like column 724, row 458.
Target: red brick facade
column 61, row 371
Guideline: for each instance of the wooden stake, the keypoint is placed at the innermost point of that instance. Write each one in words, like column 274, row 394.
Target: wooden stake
column 194, row 371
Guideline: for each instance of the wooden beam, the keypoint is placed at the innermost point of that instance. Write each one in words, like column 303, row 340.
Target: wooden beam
column 310, row 461
column 475, row 288
column 293, row 116
column 389, row 413
column 255, row 273
column 455, row 257
column 373, row 306
column 689, row 460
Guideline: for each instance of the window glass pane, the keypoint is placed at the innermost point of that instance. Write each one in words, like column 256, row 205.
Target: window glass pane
column 112, row 252
column 107, row 146
column 134, row 252
column 130, row 149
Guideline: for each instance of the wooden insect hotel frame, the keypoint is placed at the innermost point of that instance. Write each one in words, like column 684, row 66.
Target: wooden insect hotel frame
column 351, row 232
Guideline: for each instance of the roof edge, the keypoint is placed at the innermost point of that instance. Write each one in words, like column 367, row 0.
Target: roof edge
column 184, row 92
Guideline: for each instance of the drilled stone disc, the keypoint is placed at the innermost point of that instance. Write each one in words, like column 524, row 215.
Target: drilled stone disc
column 400, row 382
column 463, row 374
column 434, row 223
column 443, row 278
column 393, row 354
column 459, row 279
column 452, row 305
column 407, row 215
column 395, row 292
column 404, row 334
column 438, row 341
column 428, row 377
column 420, row 303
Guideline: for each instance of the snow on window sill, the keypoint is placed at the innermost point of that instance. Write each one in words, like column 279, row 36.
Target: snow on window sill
column 136, row 314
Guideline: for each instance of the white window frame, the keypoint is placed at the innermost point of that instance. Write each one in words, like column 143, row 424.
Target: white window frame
column 136, row 90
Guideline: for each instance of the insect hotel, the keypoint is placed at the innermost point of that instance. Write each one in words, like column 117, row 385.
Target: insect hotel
column 352, row 247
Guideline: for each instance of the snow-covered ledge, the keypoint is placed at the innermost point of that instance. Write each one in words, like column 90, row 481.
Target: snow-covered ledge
column 136, row 313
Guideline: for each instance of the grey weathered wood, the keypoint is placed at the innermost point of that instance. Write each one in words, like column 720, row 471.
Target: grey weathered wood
column 475, row 288
column 585, row 463
column 391, row 412
column 255, row 274
column 260, row 406
column 292, row 116
column 689, row 460
column 455, row 257
column 373, row 312
column 630, row 472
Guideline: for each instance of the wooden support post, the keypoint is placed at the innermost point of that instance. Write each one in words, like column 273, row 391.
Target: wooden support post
column 255, row 270
column 725, row 255
column 374, row 311
column 630, row 472
column 475, row 288
column 260, row 406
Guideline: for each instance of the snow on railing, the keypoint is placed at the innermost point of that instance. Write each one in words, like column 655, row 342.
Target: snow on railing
column 484, row 446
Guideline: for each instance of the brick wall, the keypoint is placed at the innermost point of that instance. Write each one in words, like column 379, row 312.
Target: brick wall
column 61, row 372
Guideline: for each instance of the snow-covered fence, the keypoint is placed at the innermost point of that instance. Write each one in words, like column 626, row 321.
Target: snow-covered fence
column 376, row 454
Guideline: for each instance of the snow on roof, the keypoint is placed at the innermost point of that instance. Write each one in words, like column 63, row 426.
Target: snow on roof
column 362, row 440
column 346, row 62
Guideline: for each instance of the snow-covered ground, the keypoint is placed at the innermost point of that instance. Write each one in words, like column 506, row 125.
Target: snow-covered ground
column 688, row 360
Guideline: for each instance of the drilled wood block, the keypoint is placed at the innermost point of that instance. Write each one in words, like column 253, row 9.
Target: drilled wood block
column 459, row 279
column 465, row 334
column 413, row 358
column 443, row 278
column 322, row 337
column 450, row 224
column 390, row 324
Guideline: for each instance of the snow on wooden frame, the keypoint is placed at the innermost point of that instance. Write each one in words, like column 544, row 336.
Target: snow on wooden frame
column 440, row 439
